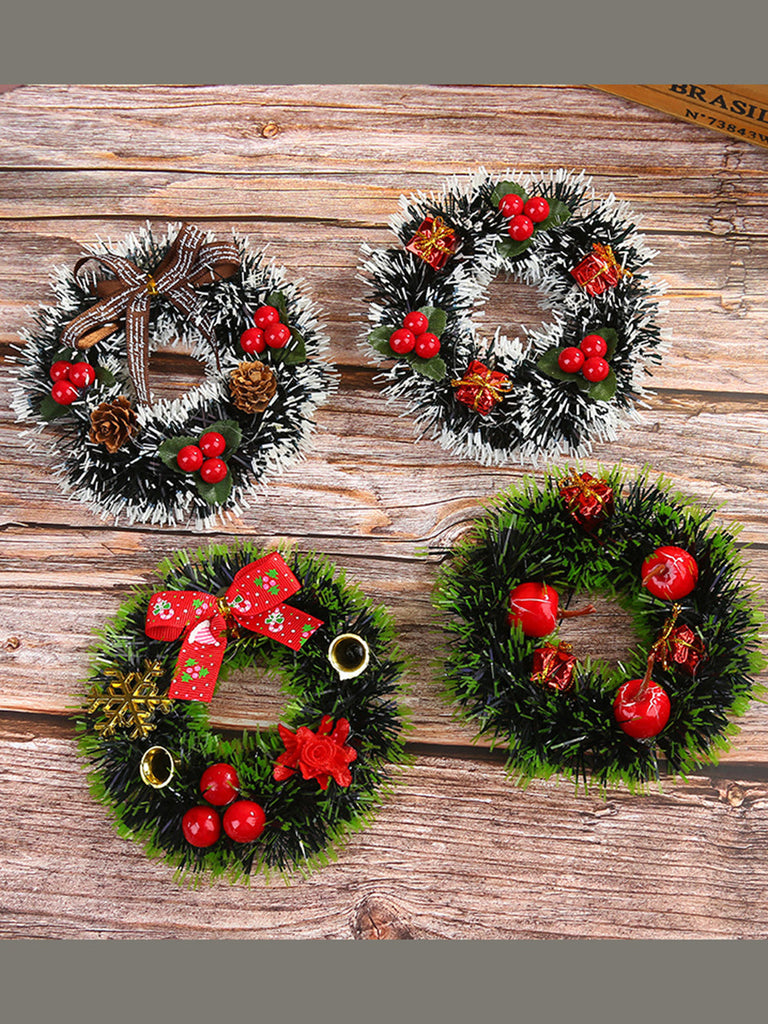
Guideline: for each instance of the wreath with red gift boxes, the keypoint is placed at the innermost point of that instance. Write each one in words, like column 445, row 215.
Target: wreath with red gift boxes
column 507, row 586
column 574, row 380
column 278, row 798
column 83, row 380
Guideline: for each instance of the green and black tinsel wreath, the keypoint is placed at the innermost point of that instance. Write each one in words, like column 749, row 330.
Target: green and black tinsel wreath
column 82, row 377
column 499, row 399
column 276, row 799
column 562, row 710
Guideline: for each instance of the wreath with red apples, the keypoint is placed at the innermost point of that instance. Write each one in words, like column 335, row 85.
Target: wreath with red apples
column 508, row 584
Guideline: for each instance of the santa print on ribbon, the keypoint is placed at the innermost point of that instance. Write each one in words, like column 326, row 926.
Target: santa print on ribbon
column 253, row 601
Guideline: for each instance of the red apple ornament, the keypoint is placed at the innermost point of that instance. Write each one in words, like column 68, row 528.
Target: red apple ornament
column 641, row 707
column 670, row 573
column 534, row 607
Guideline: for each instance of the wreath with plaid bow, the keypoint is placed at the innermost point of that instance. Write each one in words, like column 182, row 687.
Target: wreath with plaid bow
column 83, row 383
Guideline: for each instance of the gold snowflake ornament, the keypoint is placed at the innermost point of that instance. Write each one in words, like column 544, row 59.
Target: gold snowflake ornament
column 130, row 701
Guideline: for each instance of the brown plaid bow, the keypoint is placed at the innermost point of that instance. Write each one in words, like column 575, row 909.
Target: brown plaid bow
column 188, row 264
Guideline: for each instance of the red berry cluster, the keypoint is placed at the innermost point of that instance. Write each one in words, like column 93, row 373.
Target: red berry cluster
column 243, row 820
column 269, row 330
column 205, row 457
column 414, row 335
column 68, row 380
column 523, row 214
column 588, row 359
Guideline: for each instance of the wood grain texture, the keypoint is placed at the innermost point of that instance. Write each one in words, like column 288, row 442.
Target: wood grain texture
column 313, row 172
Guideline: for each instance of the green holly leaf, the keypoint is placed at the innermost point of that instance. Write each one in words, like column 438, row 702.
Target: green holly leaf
column 433, row 368
column 295, row 351
column 509, row 248
column 231, row 433
column 603, row 390
column 378, row 339
column 504, row 188
column 214, row 494
column 51, row 410
column 558, row 214
column 437, row 319
column 277, row 299
column 105, row 376
column 549, row 366
column 610, row 337
column 170, row 448
column 68, row 355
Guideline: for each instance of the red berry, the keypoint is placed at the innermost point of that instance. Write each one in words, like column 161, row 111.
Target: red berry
column 213, row 470
column 595, row 369
column 82, row 374
column 402, row 341
column 427, row 345
column 511, row 204
column 416, row 323
column 593, row 345
column 219, row 784
column 201, row 826
column 641, row 708
column 266, row 315
column 277, row 335
column 537, row 208
column 244, row 821
column 670, row 573
column 64, row 393
column 533, row 606
column 252, row 340
column 212, row 444
column 189, row 458
column 570, row 360
column 520, row 228
column 60, row 370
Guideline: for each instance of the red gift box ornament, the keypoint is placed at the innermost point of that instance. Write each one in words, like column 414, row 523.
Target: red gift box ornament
column 589, row 500
column 253, row 601
column 678, row 645
column 481, row 388
column 599, row 270
column 553, row 667
column 434, row 242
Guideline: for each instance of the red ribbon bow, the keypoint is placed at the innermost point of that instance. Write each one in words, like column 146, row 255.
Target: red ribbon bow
column 253, row 601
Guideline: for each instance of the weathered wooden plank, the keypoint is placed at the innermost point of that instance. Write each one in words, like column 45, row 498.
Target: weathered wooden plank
column 457, row 852
column 233, row 126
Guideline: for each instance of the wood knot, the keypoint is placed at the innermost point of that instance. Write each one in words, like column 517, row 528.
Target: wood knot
column 379, row 918
column 13, row 643
column 735, row 795
column 270, row 130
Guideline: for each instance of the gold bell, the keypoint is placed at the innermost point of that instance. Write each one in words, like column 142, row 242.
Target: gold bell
column 349, row 654
column 156, row 767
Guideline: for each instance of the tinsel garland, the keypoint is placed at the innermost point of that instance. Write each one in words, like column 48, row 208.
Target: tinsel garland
column 527, row 533
column 540, row 417
column 305, row 823
column 134, row 482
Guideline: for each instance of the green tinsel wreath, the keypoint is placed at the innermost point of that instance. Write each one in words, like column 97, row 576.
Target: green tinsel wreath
column 528, row 534
column 304, row 823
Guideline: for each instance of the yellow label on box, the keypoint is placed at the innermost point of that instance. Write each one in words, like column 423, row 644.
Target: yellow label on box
column 737, row 110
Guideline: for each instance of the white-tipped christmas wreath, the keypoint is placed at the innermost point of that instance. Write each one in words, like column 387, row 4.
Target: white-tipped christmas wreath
column 82, row 377
column 499, row 399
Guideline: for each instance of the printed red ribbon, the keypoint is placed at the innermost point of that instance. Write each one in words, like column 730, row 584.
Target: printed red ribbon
column 188, row 264
column 253, row 601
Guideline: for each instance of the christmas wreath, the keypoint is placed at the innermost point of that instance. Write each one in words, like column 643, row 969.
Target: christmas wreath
column 83, row 376
column 274, row 799
column 495, row 399
column 563, row 710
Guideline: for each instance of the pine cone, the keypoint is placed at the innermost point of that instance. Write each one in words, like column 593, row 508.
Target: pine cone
column 251, row 386
column 112, row 423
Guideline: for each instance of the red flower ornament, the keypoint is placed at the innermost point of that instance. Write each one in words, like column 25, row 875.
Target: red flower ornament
column 322, row 755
